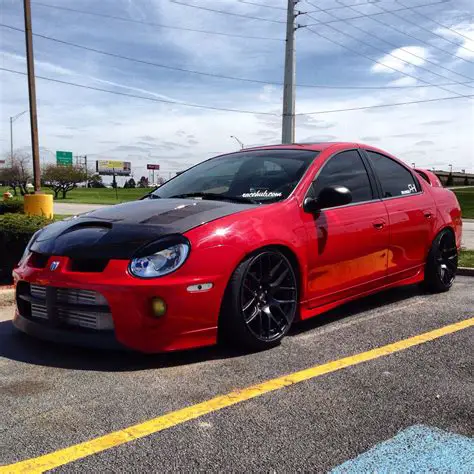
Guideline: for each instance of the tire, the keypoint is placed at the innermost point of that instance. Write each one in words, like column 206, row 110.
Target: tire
column 442, row 263
column 261, row 301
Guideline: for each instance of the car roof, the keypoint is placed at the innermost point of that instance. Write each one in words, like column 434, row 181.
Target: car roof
column 316, row 146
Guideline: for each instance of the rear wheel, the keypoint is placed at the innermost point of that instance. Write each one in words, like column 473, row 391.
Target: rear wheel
column 442, row 263
column 261, row 301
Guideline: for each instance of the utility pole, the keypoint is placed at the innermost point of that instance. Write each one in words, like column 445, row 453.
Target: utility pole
column 288, row 122
column 32, row 96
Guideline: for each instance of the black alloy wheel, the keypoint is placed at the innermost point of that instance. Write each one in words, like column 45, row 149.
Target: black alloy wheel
column 262, row 300
column 442, row 263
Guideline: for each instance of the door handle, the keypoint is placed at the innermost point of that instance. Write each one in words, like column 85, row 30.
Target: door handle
column 379, row 225
column 428, row 215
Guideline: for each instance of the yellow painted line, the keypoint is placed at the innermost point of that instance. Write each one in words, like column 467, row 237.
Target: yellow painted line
column 117, row 438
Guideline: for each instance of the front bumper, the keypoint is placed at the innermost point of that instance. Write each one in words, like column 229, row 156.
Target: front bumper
column 102, row 340
column 190, row 321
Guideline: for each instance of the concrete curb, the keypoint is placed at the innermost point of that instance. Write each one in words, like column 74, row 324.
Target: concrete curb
column 465, row 271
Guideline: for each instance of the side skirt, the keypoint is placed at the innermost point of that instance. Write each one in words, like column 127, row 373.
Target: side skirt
column 306, row 313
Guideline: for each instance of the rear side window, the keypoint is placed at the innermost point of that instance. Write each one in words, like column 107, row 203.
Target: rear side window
column 345, row 169
column 395, row 179
column 424, row 176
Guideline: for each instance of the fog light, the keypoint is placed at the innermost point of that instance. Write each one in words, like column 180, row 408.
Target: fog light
column 159, row 307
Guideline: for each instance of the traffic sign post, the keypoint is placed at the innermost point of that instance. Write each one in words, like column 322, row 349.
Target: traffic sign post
column 64, row 158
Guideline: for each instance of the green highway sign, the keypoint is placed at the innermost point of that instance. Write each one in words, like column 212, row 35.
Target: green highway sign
column 64, row 158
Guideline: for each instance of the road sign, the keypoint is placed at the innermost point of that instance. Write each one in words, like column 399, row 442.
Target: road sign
column 64, row 158
column 152, row 167
column 110, row 167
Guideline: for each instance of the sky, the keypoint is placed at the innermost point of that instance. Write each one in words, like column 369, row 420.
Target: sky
column 372, row 60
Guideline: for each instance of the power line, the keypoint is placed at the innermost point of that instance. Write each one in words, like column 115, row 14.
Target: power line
column 378, row 20
column 365, row 15
column 378, row 62
column 163, row 101
column 262, row 5
column 436, row 22
column 159, row 25
column 420, row 40
column 371, row 3
column 421, row 101
column 371, row 59
column 223, row 12
column 393, row 45
column 426, row 29
column 221, row 76
column 236, row 110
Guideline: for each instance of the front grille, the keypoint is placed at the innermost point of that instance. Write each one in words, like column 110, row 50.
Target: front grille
column 71, row 307
column 76, row 296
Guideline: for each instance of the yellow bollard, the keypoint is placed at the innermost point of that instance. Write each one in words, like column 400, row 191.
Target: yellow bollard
column 39, row 205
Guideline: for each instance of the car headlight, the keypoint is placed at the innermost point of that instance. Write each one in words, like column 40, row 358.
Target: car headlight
column 160, row 263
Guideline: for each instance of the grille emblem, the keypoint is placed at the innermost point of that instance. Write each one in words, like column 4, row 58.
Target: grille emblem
column 54, row 266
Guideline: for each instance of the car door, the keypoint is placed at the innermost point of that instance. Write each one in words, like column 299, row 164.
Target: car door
column 411, row 213
column 347, row 245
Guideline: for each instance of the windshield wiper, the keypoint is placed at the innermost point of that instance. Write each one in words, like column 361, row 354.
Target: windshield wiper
column 214, row 197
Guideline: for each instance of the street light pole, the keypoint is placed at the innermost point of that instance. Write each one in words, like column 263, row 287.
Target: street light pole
column 238, row 141
column 32, row 96
column 13, row 119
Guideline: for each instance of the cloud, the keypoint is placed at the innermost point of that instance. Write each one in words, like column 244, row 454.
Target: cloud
column 398, row 59
column 436, row 122
column 370, row 139
column 424, row 143
column 462, row 33
column 110, row 126
column 148, row 138
column 318, row 138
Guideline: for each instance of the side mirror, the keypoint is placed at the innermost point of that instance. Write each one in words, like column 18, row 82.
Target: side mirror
column 330, row 196
column 311, row 205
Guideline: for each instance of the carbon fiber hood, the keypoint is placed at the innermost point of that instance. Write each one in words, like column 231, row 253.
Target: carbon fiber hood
column 117, row 232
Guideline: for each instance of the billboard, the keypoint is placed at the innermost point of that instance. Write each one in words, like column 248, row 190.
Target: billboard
column 152, row 167
column 110, row 167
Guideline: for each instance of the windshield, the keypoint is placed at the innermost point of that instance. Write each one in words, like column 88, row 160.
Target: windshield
column 258, row 176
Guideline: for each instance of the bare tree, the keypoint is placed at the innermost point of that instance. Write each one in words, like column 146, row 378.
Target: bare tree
column 62, row 179
column 17, row 173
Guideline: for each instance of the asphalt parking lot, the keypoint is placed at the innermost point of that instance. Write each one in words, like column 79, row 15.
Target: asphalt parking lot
column 406, row 402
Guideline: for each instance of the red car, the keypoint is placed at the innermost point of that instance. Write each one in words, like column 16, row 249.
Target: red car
column 239, row 247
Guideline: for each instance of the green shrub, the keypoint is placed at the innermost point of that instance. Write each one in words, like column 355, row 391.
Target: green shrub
column 15, row 232
column 11, row 207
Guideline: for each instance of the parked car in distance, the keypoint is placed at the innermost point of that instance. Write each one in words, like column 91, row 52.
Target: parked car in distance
column 238, row 248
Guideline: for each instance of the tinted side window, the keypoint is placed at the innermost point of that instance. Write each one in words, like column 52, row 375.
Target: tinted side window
column 396, row 180
column 345, row 169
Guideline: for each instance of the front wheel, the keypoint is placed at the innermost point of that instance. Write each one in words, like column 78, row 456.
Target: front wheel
column 260, row 302
column 442, row 263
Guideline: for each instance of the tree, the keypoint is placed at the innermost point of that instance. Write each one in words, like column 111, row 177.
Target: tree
column 95, row 181
column 62, row 179
column 17, row 174
column 143, row 183
column 131, row 183
column 450, row 180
